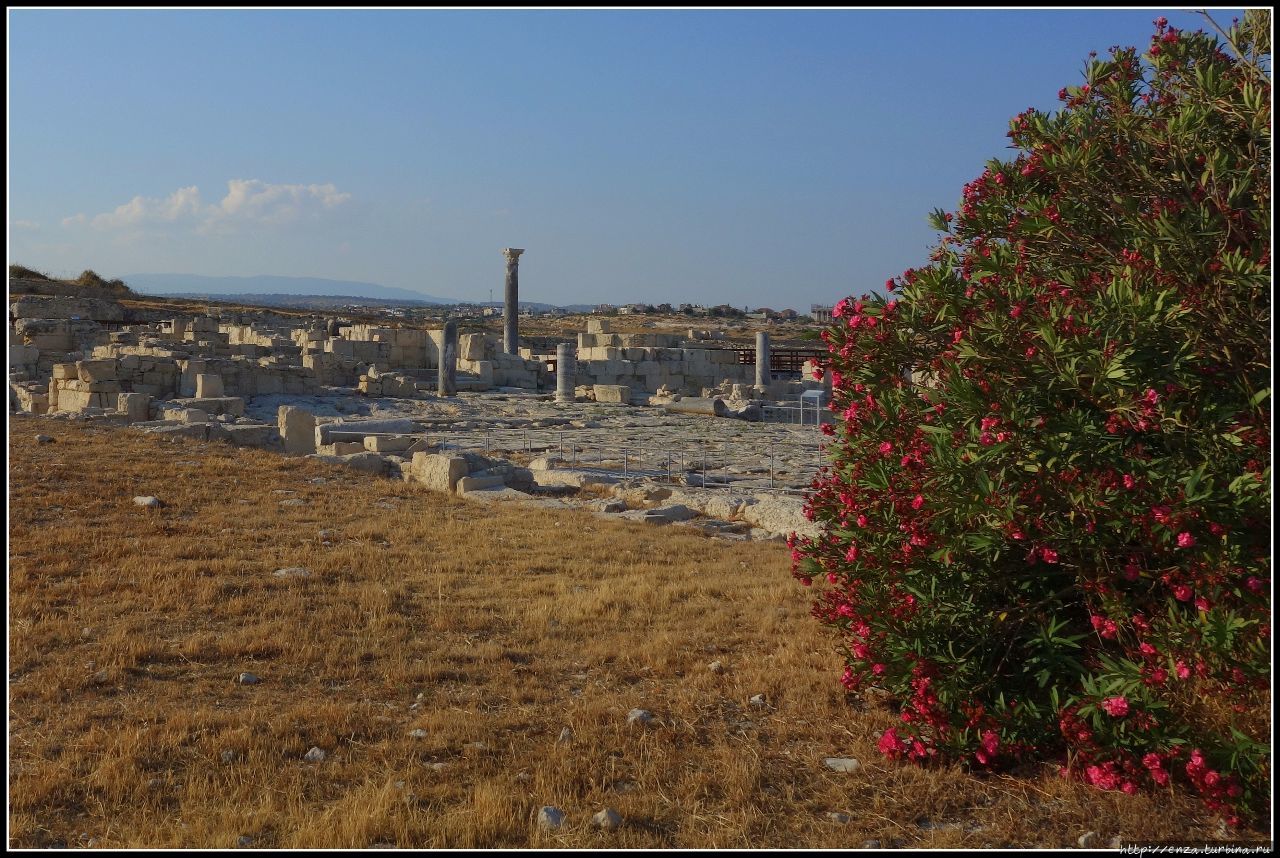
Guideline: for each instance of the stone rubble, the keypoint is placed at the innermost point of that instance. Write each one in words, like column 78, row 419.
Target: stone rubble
column 363, row 397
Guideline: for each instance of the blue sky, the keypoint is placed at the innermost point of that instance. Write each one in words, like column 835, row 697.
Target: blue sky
column 754, row 157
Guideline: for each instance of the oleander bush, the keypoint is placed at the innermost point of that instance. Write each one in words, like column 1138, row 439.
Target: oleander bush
column 1046, row 516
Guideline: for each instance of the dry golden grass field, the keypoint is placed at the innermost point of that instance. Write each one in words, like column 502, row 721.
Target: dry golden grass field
column 489, row 629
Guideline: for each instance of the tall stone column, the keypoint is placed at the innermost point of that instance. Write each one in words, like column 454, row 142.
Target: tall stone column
column 762, row 361
column 566, row 372
column 511, row 311
column 448, row 372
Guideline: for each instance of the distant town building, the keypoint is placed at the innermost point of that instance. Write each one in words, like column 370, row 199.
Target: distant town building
column 821, row 313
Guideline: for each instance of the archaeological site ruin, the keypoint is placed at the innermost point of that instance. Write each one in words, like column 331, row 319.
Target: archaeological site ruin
column 713, row 429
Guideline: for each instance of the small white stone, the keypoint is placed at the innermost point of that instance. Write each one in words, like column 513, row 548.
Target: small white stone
column 842, row 764
column 418, row 734
column 550, row 818
column 293, row 572
column 608, row 819
column 715, row 667
column 247, row 679
column 838, row 817
column 566, row 735
column 639, row 716
column 315, row 755
column 1088, row 840
column 149, row 501
column 44, row 439
column 757, row 700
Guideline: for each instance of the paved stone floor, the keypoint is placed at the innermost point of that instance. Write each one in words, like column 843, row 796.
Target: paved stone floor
column 629, row 440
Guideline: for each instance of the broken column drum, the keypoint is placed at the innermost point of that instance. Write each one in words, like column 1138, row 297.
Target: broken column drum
column 448, row 372
column 762, row 361
column 511, row 309
column 566, row 372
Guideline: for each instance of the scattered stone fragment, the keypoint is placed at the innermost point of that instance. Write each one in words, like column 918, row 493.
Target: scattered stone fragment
column 293, row 572
column 607, row 819
column 476, row 746
column 437, row 767
column 839, row 817
column 44, row 439
column 1088, row 840
column 418, row 734
column 550, row 818
column 293, row 502
column 148, row 501
column 871, row 844
column 154, row 783
column 524, row 777
column 315, row 755
column 757, row 701
column 842, row 764
column 1115, row 842
column 228, row 756
column 244, row 841
column 566, row 735
column 715, row 667
column 247, row 679
column 639, row 716
column 326, row 535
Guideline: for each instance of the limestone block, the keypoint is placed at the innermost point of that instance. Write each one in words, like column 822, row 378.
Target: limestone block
column 65, row 371
column 471, row 347
column 347, row 448
column 267, row 383
column 96, row 370
column 479, row 483
column 233, row 405
column 598, row 326
column 389, row 443
column 135, row 406
column 612, row 393
column 190, row 415
column 298, row 429
column 103, row 386
column 251, row 435
column 208, row 385
column 438, row 471
column 369, row 463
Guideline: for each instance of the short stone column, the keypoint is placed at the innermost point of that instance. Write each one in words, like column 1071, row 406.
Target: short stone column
column 566, row 372
column 297, row 429
column 448, row 371
column 762, row 362
column 511, row 307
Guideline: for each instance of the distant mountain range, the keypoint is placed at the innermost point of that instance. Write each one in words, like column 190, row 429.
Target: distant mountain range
column 304, row 292
column 189, row 285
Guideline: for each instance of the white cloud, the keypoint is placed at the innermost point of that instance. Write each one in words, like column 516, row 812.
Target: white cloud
column 184, row 202
column 24, row 224
column 258, row 201
column 247, row 201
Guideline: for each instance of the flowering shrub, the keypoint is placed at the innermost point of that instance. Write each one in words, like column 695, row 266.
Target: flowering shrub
column 1046, row 518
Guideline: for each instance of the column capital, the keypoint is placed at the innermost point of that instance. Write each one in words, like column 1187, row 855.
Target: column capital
column 512, row 253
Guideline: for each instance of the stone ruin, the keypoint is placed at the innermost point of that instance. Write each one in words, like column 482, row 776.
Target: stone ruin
column 91, row 359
